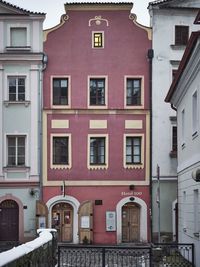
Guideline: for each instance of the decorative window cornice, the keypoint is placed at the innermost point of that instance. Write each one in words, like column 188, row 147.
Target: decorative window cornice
column 98, row 20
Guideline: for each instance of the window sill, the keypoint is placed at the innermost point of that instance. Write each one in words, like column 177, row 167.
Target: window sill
column 98, row 167
column 173, row 154
column 178, row 47
column 60, row 167
column 16, row 168
column 60, row 107
column 134, row 107
column 134, row 166
column 25, row 103
column 18, row 48
column 97, row 107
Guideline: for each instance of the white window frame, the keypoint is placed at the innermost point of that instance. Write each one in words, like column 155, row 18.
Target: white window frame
column 105, row 106
column 61, row 166
column 98, row 167
column 134, row 166
column 141, row 106
column 6, row 89
column 26, row 150
column 69, row 91
column 18, row 25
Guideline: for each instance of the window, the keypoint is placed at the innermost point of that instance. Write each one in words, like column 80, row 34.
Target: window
column 196, row 213
column 174, row 138
column 183, row 127
column 16, row 88
column 181, row 35
column 16, row 150
column 133, row 92
column 97, row 40
column 97, row 91
column 60, row 150
column 97, row 150
column 194, row 113
column 60, row 91
column 133, row 150
column 18, row 37
column 174, row 73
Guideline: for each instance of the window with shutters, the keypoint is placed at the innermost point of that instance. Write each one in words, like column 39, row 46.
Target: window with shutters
column 181, row 35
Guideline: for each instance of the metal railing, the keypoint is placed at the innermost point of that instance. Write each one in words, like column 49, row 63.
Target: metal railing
column 36, row 253
column 154, row 255
column 173, row 254
column 103, row 256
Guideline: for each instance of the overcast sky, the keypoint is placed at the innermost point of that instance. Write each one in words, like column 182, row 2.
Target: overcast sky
column 55, row 8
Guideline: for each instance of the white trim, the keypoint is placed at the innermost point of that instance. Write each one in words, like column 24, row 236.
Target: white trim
column 143, row 218
column 18, row 25
column 74, row 203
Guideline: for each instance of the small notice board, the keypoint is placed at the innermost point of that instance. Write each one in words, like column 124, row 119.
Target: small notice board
column 110, row 221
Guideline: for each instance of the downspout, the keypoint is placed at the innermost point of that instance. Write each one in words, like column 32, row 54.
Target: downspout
column 44, row 65
column 150, row 59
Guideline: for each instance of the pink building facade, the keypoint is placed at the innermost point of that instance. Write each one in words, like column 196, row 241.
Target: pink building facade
column 96, row 126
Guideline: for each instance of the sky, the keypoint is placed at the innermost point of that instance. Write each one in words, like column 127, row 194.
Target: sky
column 55, row 8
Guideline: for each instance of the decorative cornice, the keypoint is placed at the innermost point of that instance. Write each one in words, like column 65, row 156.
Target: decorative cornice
column 133, row 17
column 63, row 19
column 98, row 20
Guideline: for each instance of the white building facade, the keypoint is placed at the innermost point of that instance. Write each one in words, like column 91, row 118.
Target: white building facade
column 184, row 95
column 172, row 23
column 21, row 55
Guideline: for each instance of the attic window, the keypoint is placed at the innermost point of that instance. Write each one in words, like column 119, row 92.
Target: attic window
column 97, row 39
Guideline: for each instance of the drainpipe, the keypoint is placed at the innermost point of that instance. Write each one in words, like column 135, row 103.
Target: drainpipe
column 44, row 65
column 150, row 56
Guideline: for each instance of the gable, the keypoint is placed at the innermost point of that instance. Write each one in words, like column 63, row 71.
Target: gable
column 9, row 9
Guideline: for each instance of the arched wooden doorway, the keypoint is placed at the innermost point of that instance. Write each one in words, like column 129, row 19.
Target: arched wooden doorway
column 9, row 220
column 62, row 220
column 130, row 223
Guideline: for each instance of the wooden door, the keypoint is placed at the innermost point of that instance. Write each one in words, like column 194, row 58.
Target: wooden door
column 9, row 221
column 62, row 220
column 130, row 223
column 85, row 218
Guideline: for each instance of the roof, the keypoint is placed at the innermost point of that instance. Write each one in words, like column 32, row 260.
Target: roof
column 25, row 11
column 185, row 59
column 159, row 2
column 93, row 2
